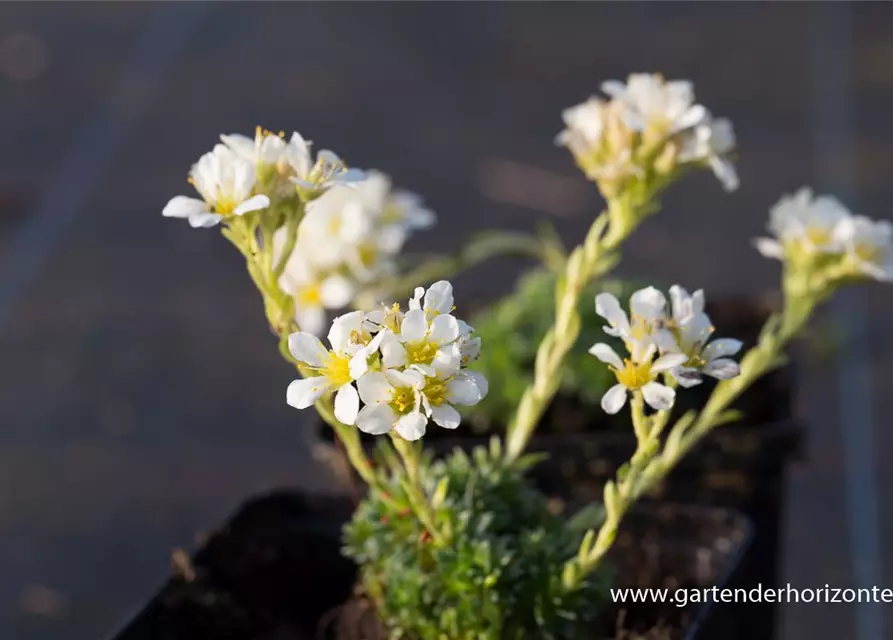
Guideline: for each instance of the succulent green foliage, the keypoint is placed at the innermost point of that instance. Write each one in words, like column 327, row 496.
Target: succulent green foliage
column 498, row 573
column 512, row 329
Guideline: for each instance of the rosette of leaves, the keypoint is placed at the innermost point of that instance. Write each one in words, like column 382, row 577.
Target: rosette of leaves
column 496, row 574
column 512, row 329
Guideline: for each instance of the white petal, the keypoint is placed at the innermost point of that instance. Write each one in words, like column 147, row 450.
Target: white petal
column 446, row 416
column 444, row 328
column 658, row 396
column 769, row 248
column 416, row 301
column 407, row 378
column 393, row 355
column 184, row 207
column 608, row 307
column 722, row 369
column 307, row 348
column 721, row 348
column 347, row 404
column 311, row 319
column 665, row 341
column 375, row 388
column 335, row 292
column 606, row 354
column 252, row 204
column 304, row 392
column 463, row 390
column 342, row 328
column 414, row 326
column 687, row 376
column 411, row 426
column 648, row 303
column 480, row 380
column 439, row 297
column 376, row 419
column 425, row 369
column 447, row 361
column 204, row 220
column 668, row 361
column 614, row 399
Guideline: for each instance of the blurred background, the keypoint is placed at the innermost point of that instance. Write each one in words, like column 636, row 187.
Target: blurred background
column 142, row 396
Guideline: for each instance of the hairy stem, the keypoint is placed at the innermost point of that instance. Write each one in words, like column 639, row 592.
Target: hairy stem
column 592, row 259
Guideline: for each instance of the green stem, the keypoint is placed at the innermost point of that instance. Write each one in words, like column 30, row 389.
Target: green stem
column 411, row 454
column 592, row 259
column 350, row 438
column 649, row 466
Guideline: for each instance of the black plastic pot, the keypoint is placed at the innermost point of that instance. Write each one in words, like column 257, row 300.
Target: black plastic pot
column 742, row 466
column 274, row 572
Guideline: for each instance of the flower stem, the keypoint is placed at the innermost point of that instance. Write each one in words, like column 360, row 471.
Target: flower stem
column 650, row 464
column 350, row 438
column 410, row 452
column 594, row 258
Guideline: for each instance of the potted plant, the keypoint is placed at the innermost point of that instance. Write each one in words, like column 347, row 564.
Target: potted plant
column 468, row 546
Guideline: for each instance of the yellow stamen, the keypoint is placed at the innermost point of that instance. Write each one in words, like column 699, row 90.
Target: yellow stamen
column 337, row 369
column 634, row 375
column 421, row 352
column 310, row 296
column 403, row 400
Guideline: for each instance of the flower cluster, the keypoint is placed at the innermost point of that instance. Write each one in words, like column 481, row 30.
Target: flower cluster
column 241, row 175
column 820, row 232
column 341, row 227
column 675, row 343
column 349, row 237
column 647, row 124
column 408, row 367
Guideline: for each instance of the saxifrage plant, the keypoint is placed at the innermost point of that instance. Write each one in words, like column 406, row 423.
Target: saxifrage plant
column 466, row 548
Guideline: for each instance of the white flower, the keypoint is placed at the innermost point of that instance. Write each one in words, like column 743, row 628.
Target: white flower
column 650, row 100
column 869, row 244
column 337, row 369
column 328, row 170
column 688, row 332
column 334, row 227
column 438, row 299
column 585, row 124
column 647, row 307
column 225, row 183
column 393, row 400
column 713, row 141
column 313, row 291
column 266, row 148
column 804, row 223
column 637, row 375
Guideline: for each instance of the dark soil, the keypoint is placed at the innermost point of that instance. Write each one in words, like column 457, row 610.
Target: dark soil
column 275, row 573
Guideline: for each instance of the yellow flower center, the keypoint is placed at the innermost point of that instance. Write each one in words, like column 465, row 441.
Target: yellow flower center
column 421, row 352
column 436, row 391
column 818, row 236
column 337, row 369
column 634, row 375
column 368, row 254
column 403, row 400
column 310, row 296
column 867, row 252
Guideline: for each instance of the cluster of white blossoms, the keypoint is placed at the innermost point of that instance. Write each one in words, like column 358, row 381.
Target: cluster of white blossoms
column 353, row 226
column 675, row 343
column 406, row 367
column 241, row 175
column 647, row 122
column 808, row 227
column 349, row 237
